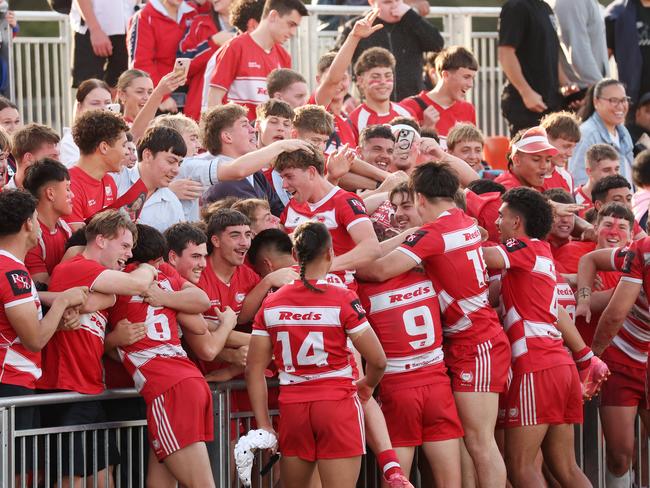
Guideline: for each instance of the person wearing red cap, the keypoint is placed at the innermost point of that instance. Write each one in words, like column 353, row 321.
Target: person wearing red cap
column 530, row 160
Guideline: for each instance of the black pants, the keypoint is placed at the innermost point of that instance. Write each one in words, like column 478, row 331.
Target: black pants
column 25, row 418
column 518, row 116
column 86, row 65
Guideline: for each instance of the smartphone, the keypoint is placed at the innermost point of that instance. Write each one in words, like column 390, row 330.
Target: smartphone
column 182, row 66
column 114, row 107
column 404, row 140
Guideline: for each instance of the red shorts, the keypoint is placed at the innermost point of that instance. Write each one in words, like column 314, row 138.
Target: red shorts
column 179, row 417
column 549, row 396
column 479, row 367
column 421, row 414
column 626, row 387
column 325, row 429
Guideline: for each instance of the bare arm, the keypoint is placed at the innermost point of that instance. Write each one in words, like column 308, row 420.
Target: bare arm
column 134, row 283
column 511, row 67
column 366, row 249
column 191, row 299
column 588, row 265
column 261, row 349
column 368, row 345
column 215, row 96
column 612, row 318
column 389, row 266
column 207, row 344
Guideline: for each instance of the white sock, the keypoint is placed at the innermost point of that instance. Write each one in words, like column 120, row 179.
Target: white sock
column 613, row 481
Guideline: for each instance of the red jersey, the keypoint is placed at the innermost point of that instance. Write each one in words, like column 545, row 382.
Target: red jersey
column 633, row 338
column 72, row 360
column 559, row 178
column 565, row 297
column 157, row 362
column 530, row 299
column 343, row 132
column 90, row 195
column 224, row 295
column 339, row 211
column 586, row 329
column 485, row 209
column 449, row 248
column 509, row 180
column 153, row 38
column 582, row 198
column 49, row 251
column 405, row 314
column 18, row 365
column 241, row 69
column 310, row 341
column 363, row 116
column 460, row 111
column 570, row 253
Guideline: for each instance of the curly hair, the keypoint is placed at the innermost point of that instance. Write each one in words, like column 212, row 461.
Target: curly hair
column 533, row 208
column 97, row 126
column 241, row 11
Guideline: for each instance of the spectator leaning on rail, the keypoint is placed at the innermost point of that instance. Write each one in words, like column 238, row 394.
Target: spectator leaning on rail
column 406, row 35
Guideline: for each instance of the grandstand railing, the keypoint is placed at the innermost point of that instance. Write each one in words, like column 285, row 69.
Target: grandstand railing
column 40, row 71
column 41, row 66
column 44, row 445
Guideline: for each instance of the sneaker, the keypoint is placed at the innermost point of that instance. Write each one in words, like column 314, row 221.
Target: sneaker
column 398, row 480
column 593, row 376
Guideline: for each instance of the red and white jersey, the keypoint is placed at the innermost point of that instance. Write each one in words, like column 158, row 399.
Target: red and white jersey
column 530, row 298
column 241, row 69
column 224, row 295
column 570, row 253
column 18, row 365
column 582, row 198
column 450, row 248
column 309, row 332
column 405, row 314
column 460, row 111
column 559, row 178
column 72, row 360
column 49, row 251
column 90, row 195
column 510, row 180
column 633, row 338
column 339, row 211
column 363, row 116
column 157, row 362
column 565, row 296
column 485, row 209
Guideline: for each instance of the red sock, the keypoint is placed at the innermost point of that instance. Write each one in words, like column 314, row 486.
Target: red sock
column 583, row 357
column 389, row 463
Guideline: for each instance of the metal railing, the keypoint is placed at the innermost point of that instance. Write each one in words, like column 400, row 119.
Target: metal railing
column 44, row 446
column 41, row 66
column 40, row 71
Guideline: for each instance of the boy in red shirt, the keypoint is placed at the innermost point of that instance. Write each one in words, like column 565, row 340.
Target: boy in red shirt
column 73, row 359
column 530, row 160
column 440, row 108
column 600, row 160
column 544, row 398
column 563, row 130
column 23, row 329
column 49, row 181
column 375, row 72
column 243, row 63
column 101, row 138
column 477, row 353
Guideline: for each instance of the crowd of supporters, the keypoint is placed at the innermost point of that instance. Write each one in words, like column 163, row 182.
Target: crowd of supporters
column 207, row 218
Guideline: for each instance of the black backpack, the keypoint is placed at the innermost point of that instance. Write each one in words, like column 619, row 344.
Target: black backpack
column 61, row 6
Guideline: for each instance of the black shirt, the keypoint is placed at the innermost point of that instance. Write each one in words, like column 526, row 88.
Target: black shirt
column 529, row 27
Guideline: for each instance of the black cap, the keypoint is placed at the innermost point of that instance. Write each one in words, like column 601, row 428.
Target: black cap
column 645, row 98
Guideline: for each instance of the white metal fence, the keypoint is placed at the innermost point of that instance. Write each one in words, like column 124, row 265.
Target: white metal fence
column 41, row 66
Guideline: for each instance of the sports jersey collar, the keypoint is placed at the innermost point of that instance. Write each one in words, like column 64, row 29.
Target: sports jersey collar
column 10, row 256
column 183, row 9
column 322, row 201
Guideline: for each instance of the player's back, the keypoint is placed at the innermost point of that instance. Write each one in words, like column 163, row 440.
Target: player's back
column 450, row 250
column 404, row 313
column 309, row 332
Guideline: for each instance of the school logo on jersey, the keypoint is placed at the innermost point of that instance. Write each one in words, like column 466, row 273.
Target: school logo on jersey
column 357, row 307
column 513, row 412
column 413, row 239
column 466, row 377
column 513, row 245
column 19, row 281
column 239, row 297
column 356, row 206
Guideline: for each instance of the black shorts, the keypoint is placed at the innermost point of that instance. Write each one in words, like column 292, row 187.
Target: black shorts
column 26, row 418
column 86, row 65
column 85, row 445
